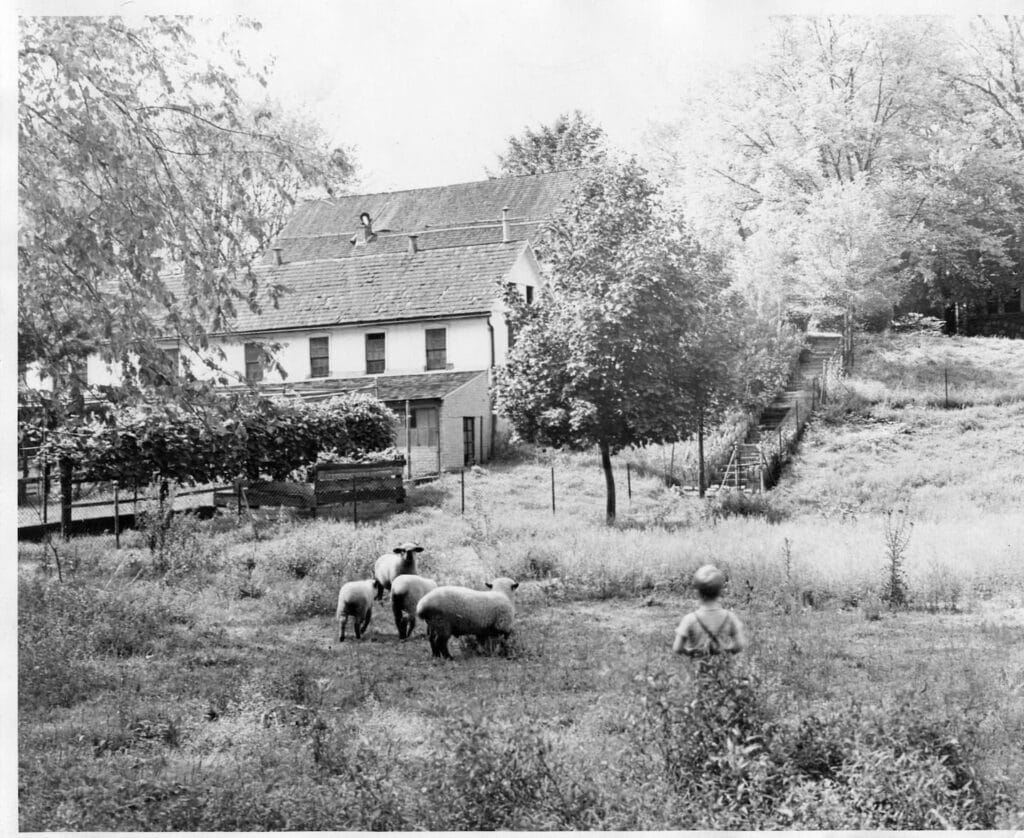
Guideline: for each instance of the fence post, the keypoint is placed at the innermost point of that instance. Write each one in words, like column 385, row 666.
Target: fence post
column 462, row 480
column 796, row 407
column 945, row 373
column 117, row 517
column 779, row 429
column 238, row 497
column 355, row 505
column 629, row 483
column 552, row 490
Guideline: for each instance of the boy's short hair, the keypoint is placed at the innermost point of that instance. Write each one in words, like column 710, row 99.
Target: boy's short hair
column 708, row 580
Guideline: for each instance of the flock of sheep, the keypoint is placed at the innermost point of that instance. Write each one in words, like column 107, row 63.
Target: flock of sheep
column 448, row 610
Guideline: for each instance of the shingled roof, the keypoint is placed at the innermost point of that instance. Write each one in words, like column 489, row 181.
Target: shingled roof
column 385, row 287
column 341, row 245
column 528, row 198
column 388, row 388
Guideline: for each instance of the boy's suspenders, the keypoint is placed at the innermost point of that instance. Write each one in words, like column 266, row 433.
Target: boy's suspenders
column 715, row 646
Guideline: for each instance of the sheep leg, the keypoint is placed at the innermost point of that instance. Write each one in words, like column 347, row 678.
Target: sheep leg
column 442, row 646
column 410, row 624
column 341, row 636
column 396, row 609
column 361, row 629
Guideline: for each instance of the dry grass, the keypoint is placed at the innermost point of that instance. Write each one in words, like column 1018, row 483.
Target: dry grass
column 233, row 706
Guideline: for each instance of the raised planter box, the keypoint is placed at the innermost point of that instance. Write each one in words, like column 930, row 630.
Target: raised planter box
column 335, row 483
column 332, row 484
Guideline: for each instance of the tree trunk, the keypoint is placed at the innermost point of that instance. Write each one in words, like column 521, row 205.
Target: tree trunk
column 609, row 481
column 66, row 486
column 701, row 483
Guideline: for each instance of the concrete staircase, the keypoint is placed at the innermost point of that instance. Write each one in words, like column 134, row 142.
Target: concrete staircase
column 781, row 420
column 821, row 348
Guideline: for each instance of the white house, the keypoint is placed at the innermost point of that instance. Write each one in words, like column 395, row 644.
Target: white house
column 399, row 294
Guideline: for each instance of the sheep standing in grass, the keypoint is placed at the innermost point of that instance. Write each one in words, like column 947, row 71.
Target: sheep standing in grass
column 406, row 592
column 355, row 600
column 392, row 565
column 453, row 611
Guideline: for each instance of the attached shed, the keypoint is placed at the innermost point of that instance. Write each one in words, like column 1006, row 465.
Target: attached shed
column 444, row 418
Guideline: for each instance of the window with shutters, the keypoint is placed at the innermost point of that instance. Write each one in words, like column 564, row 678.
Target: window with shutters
column 375, row 353
column 253, row 363
column 319, row 358
column 173, row 358
column 437, row 349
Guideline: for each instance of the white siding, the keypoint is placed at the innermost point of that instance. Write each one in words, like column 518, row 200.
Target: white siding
column 468, row 343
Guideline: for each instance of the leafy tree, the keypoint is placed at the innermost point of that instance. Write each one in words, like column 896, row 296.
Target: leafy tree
column 137, row 158
column 601, row 359
column 853, row 156
column 571, row 142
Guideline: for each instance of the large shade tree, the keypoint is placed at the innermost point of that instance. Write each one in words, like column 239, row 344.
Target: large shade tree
column 601, row 359
column 572, row 141
column 884, row 150
column 138, row 157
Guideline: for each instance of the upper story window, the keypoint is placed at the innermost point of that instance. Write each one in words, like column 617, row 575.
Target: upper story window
column 78, row 370
column 172, row 358
column 437, row 349
column 253, row 363
column 529, row 295
column 319, row 358
column 375, row 353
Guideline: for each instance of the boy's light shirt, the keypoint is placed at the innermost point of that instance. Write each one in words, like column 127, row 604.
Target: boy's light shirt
column 692, row 639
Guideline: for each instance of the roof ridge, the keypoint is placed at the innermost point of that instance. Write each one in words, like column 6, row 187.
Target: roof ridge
column 332, row 200
column 384, row 234
column 398, row 253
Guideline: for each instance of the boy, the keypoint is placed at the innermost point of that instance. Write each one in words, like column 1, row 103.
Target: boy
column 710, row 629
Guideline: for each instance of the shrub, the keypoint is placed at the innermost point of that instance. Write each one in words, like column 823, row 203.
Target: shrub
column 845, row 404
column 897, row 529
column 737, row 503
column 500, row 776
column 62, row 627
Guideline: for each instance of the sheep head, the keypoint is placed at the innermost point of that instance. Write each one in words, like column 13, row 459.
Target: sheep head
column 503, row 585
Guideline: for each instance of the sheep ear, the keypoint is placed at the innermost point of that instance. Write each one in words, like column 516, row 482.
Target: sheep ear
column 515, row 585
column 398, row 550
column 417, row 549
column 488, row 584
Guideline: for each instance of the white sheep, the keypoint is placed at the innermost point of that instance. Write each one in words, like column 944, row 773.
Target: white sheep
column 392, row 565
column 355, row 599
column 406, row 592
column 452, row 610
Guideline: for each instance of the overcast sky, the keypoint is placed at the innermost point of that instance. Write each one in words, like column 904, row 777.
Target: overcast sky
column 428, row 93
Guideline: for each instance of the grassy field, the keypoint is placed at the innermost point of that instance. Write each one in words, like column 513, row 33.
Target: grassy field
column 204, row 688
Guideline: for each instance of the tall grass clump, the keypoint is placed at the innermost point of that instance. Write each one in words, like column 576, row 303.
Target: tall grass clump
column 63, row 629
column 729, row 759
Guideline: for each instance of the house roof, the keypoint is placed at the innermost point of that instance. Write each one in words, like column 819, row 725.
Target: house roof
column 528, row 198
column 427, row 385
column 342, row 245
column 443, row 282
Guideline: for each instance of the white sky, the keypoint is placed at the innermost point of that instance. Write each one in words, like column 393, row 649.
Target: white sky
column 428, row 93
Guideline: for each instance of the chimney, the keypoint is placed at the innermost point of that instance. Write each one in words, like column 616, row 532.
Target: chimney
column 506, row 234
column 277, row 255
column 412, row 243
column 367, row 222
